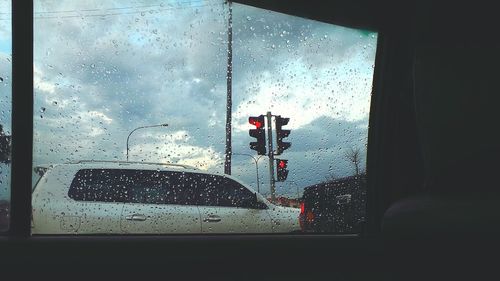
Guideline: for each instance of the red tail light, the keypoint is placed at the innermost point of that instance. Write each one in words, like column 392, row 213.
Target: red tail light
column 306, row 218
column 301, row 216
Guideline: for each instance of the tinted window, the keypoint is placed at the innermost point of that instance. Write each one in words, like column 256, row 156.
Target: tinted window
column 233, row 194
column 150, row 187
column 131, row 186
column 206, row 187
column 100, row 185
column 223, row 192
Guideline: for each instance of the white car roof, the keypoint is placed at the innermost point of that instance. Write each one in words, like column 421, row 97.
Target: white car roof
column 102, row 164
column 105, row 164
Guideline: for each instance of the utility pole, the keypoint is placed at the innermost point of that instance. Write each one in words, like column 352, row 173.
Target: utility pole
column 271, row 155
column 227, row 163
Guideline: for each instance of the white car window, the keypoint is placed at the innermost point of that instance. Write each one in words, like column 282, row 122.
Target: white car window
column 233, row 194
column 98, row 185
column 131, row 186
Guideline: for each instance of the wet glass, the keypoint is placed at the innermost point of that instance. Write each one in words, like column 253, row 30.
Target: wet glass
column 319, row 76
column 5, row 111
column 143, row 85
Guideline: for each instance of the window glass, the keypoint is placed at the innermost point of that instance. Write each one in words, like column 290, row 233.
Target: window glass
column 206, row 187
column 233, row 194
column 5, row 111
column 319, row 76
column 162, row 82
column 178, row 190
column 131, row 186
column 160, row 188
column 221, row 191
column 101, row 185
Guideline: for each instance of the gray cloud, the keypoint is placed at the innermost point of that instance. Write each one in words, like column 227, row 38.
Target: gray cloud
column 99, row 77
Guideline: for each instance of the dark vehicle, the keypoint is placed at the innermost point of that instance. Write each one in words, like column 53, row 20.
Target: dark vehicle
column 335, row 206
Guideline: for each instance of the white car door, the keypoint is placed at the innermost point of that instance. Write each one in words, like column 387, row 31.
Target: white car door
column 226, row 206
column 160, row 219
column 159, row 203
column 94, row 203
column 234, row 220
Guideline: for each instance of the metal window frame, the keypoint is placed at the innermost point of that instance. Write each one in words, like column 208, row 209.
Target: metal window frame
column 22, row 128
column 300, row 255
column 22, row 118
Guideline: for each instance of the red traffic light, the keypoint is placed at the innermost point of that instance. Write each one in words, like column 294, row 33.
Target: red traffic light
column 282, row 172
column 258, row 133
column 257, row 121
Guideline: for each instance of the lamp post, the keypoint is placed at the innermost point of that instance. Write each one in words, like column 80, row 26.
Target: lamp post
column 256, row 166
column 297, row 187
column 143, row 127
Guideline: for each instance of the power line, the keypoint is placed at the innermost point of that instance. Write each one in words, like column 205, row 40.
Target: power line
column 95, row 10
column 121, row 13
column 117, row 8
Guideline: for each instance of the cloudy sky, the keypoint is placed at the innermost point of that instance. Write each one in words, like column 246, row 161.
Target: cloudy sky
column 103, row 68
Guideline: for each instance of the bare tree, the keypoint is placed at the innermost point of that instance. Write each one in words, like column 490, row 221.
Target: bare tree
column 353, row 155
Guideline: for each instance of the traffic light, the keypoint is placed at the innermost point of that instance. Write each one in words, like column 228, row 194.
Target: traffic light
column 281, row 134
column 258, row 133
column 282, row 172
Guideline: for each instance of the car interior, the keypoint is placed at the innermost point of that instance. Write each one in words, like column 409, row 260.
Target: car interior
column 433, row 206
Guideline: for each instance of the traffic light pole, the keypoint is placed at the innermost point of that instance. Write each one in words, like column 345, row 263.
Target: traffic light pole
column 271, row 155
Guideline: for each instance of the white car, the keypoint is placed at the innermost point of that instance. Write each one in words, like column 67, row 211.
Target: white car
column 111, row 197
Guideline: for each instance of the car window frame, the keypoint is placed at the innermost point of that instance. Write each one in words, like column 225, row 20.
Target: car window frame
column 22, row 121
column 18, row 244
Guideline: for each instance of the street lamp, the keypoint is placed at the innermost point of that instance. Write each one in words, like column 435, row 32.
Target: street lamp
column 143, row 127
column 297, row 186
column 256, row 166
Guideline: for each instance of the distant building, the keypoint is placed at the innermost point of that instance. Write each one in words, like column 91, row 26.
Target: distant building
column 286, row 202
